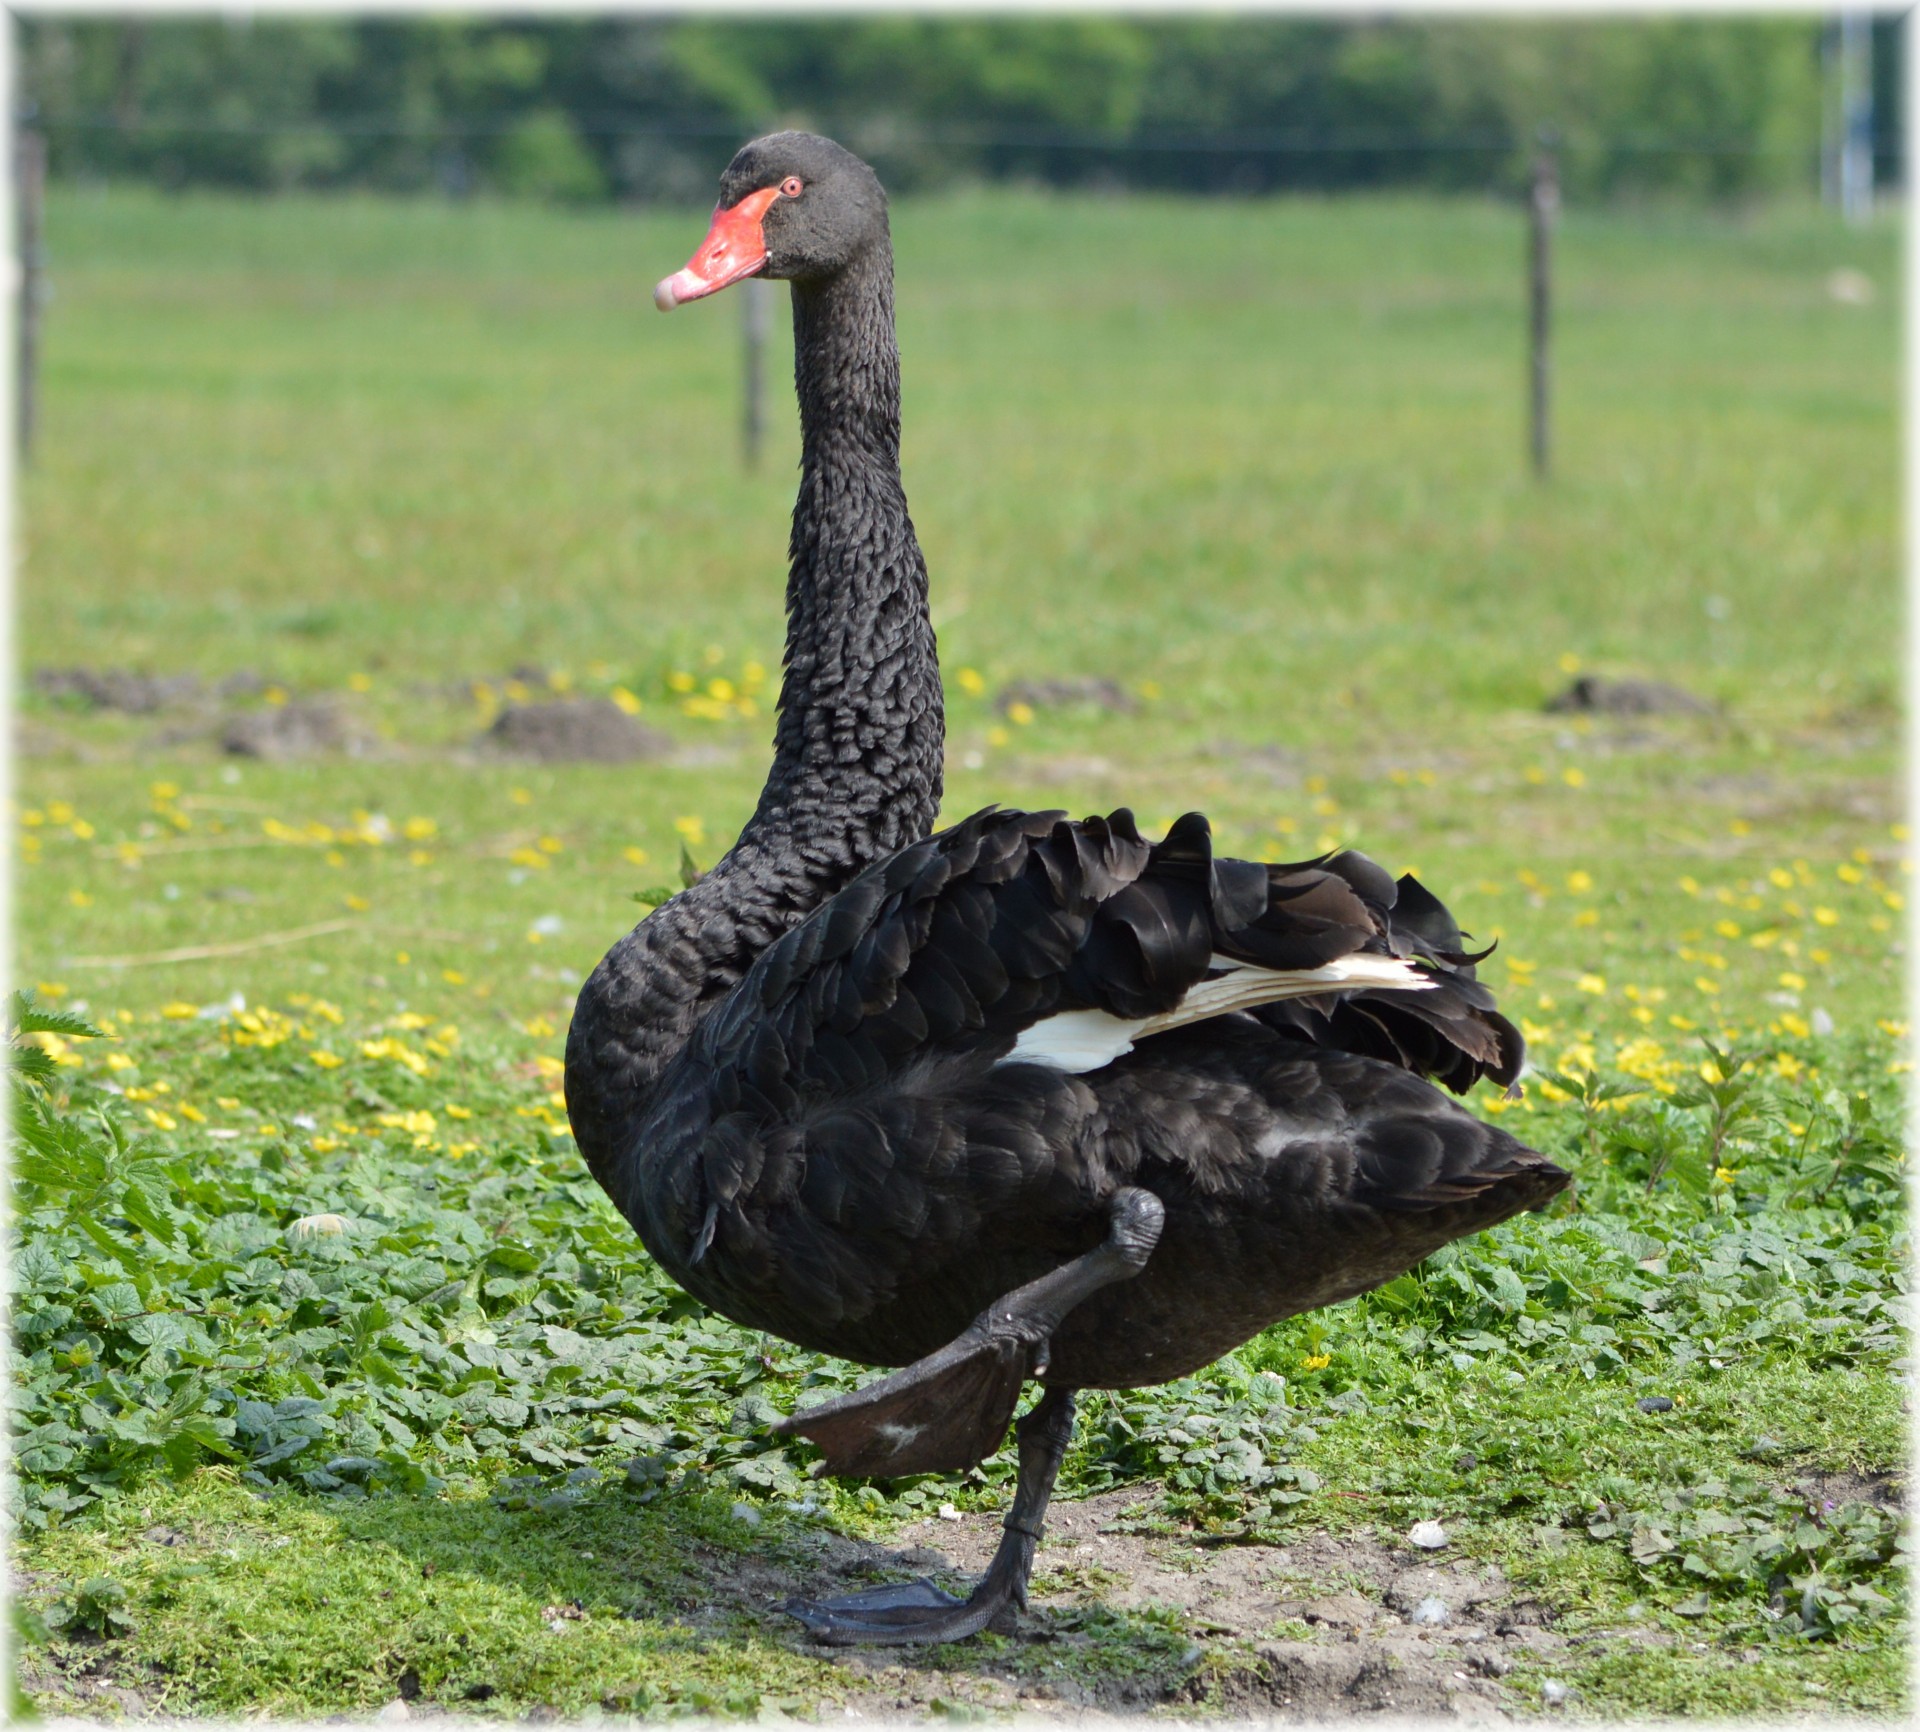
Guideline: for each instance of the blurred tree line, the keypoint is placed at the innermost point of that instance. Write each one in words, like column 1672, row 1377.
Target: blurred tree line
column 650, row 108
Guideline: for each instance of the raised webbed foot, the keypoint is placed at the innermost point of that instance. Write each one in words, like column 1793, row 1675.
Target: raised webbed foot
column 948, row 1411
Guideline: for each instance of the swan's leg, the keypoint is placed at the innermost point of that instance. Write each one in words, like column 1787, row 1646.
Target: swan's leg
column 918, row 1611
column 949, row 1410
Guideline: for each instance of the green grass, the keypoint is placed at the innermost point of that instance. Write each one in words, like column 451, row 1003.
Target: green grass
column 1260, row 464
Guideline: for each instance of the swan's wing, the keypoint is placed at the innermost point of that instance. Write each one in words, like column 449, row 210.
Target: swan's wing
column 841, row 1128
column 1028, row 938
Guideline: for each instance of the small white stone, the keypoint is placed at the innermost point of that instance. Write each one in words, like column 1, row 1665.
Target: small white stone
column 1821, row 1022
column 394, row 1711
column 948, row 1513
column 745, row 1512
column 1554, row 1693
column 1432, row 1610
column 1428, row 1536
column 549, row 926
column 317, row 1226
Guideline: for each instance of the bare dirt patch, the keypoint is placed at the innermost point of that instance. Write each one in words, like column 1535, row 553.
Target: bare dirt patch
column 1125, row 1620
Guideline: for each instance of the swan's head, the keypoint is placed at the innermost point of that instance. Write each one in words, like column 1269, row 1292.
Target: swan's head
column 791, row 206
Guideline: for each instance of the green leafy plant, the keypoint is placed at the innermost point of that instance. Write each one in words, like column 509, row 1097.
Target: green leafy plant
column 95, row 1607
column 1809, row 1565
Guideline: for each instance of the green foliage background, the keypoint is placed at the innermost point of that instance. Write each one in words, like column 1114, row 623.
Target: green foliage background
column 639, row 107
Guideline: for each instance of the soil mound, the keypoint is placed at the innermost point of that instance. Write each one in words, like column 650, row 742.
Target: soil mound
column 1590, row 696
column 572, row 730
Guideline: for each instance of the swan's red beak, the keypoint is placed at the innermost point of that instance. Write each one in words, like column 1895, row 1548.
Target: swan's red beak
column 734, row 248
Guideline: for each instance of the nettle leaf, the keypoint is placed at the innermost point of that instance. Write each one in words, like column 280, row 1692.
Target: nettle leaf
column 26, row 1016
column 37, row 1268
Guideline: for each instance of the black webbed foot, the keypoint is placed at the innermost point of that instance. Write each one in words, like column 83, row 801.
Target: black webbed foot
column 903, row 1612
column 917, row 1611
column 946, row 1412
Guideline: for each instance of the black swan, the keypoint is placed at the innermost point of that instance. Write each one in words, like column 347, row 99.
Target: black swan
column 1025, row 1098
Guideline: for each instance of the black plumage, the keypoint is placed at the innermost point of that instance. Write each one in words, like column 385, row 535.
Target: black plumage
column 1028, row 1098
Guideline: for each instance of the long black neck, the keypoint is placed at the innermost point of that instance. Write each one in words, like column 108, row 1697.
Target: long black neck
column 857, row 750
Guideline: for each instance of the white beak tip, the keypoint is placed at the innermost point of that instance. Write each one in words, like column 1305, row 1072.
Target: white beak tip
column 663, row 296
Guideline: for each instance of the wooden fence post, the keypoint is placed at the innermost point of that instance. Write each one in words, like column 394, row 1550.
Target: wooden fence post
column 1542, row 205
column 29, row 191
column 753, row 324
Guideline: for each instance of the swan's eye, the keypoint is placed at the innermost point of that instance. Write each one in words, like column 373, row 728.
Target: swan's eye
column 790, row 187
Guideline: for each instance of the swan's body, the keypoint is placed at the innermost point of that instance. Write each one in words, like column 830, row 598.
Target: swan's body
column 1027, row 1098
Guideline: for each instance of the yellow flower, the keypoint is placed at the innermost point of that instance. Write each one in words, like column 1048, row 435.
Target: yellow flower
column 453, row 977
column 1706, row 983
column 520, row 796
column 538, row 1027
column 457, row 1112
column 1825, row 917
column 326, row 1060
column 1739, row 827
column 1587, row 917
column 998, row 736
column 1315, row 1361
column 1593, row 983
column 1724, row 1174
column 1569, row 662
column 720, row 690
column 79, row 898
column 119, row 1061
column 161, row 1121
column 1793, row 982
column 692, row 829
column 550, row 845
column 1573, row 776
column 1780, row 878
column 634, row 856
column 179, row 1010
column 457, row 1150
column 1848, row 873
column 193, row 1113
column 680, row 681
column 971, row 682
column 1579, row 882
column 625, row 700
column 529, row 857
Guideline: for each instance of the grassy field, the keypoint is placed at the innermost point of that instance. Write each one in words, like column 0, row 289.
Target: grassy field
column 1260, row 466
